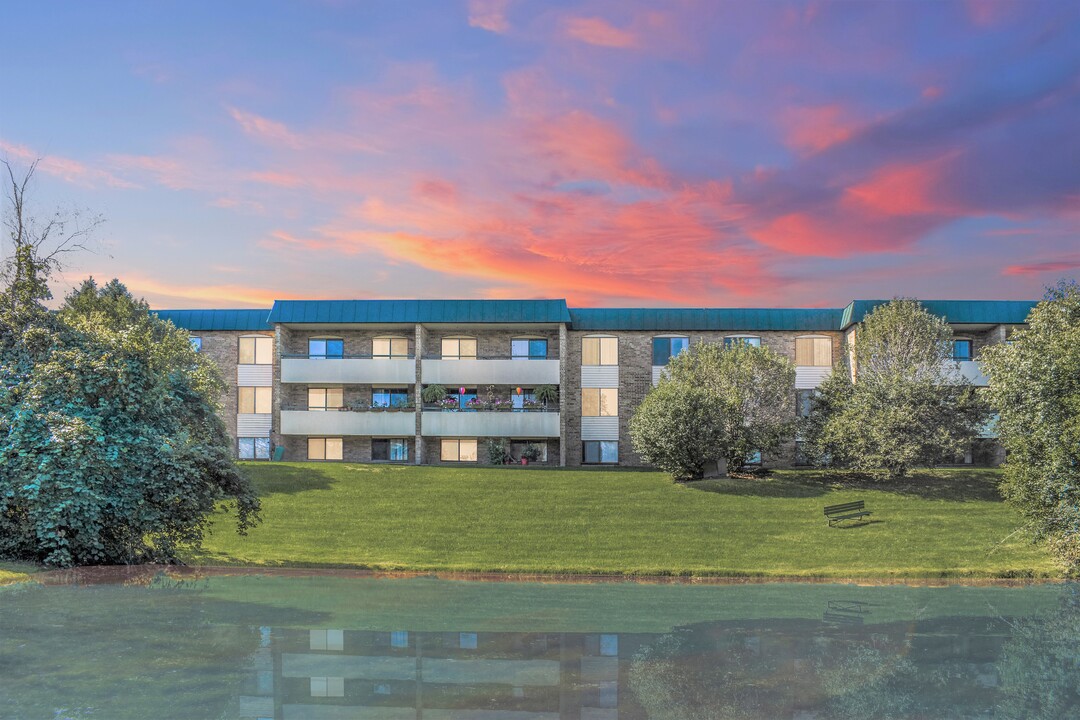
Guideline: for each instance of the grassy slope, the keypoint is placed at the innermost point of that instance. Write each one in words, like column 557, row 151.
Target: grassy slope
column 947, row 523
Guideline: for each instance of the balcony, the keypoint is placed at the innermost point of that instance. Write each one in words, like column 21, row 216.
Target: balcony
column 501, row 371
column 356, row 370
column 391, row 423
column 493, row 423
column 970, row 369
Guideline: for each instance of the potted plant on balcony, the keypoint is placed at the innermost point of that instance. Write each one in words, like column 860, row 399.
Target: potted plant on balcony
column 531, row 453
column 546, row 394
column 448, row 403
column 406, row 404
column 433, row 394
column 531, row 404
column 497, row 452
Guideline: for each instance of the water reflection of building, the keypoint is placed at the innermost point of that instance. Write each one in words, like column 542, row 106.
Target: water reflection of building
column 333, row 674
column 754, row 669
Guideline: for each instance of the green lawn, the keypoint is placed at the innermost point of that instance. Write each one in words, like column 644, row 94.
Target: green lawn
column 948, row 523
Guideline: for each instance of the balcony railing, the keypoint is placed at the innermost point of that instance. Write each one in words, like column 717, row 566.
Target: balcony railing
column 384, row 422
column 490, row 371
column 349, row 369
column 490, row 423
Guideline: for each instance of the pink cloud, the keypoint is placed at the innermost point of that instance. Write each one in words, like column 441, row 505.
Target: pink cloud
column 489, row 15
column 265, row 129
column 1050, row 266
column 813, row 129
column 597, row 31
column 65, row 168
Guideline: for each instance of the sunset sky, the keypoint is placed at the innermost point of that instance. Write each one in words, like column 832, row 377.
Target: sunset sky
column 616, row 153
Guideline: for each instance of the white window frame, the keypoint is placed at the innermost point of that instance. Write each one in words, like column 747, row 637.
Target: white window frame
column 457, row 354
column 262, row 400
column 447, row 443
column 601, row 356
column 262, row 349
column 729, row 340
column 391, row 341
column 337, row 443
column 813, row 353
column 612, row 406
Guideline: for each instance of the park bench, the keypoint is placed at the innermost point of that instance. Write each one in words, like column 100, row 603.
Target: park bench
column 845, row 511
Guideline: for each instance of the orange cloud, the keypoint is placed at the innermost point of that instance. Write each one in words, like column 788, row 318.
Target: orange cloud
column 832, row 231
column 489, row 15
column 597, row 31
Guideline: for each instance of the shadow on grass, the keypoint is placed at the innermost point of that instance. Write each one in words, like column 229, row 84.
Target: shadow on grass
column 286, row 479
column 760, row 487
column 954, row 484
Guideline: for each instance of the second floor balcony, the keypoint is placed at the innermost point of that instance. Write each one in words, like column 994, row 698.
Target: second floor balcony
column 348, row 370
column 387, row 423
column 490, row 371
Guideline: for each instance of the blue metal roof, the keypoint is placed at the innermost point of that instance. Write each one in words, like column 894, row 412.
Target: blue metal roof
column 803, row 319
column 964, row 312
column 419, row 311
column 203, row 320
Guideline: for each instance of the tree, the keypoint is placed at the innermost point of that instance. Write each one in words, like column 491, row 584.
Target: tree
column 908, row 406
column 715, row 403
column 113, row 449
column 1035, row 387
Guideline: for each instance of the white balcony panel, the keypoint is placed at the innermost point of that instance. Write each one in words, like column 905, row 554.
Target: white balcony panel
column 454, row 373
column 591, row 713
column 600, row 376
column 657, row 371
column 331, row 422
column 252, row 706
column 254, row 375
column 599, row 428
column 808, row 378
column 436, row 670
column 348, row 370
column 253, row 424
column 346, row 712
column 598, row 669
column 974, row 374
column 438, row 423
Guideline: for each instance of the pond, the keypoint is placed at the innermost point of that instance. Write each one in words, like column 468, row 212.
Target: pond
column 137, row 643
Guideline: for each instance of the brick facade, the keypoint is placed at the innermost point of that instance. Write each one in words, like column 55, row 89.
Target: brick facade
column 564, row 343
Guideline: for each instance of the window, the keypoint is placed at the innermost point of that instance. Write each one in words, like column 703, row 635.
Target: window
column 528, row 349
column 748, row 340
column 390, row 347
column 253, row 448
column 196, row 343
column 609, row 645
column 325, row 398
column 327, row 687
column 517, row 402
column 517, row 447
column 399, row 639
column 753, row 458
column 599, row 402
column 609, row 694
column 463, row 398
column 254, row 400
column 467, row 641
column 256, row 350
column 458, row 450
column 327, row 640
column 326, row 348
column 800, row 453
column 813, row 352
column 463, row 348
column 804, row 402
column 665, row 348
column 961, row 350
column 389, row 397
column 324, row 448
column 392, row 450
column 599, row 351
column 601, row 452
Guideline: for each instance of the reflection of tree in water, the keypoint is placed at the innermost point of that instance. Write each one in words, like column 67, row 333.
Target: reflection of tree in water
column 683, row 676
column 117, row 652
column 861, row 681
column 676, row 679
column 1040, row 664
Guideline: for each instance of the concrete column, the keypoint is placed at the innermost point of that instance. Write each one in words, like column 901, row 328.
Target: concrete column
column 418, row 440
column 564, row 370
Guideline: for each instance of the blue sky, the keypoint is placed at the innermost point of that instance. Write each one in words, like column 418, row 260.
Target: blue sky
column 613, row 153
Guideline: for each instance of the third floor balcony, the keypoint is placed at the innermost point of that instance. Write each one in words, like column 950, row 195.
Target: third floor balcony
column 490, row 371
column 348, row 369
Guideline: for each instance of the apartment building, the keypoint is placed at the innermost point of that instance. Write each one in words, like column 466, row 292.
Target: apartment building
column 430, row 381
